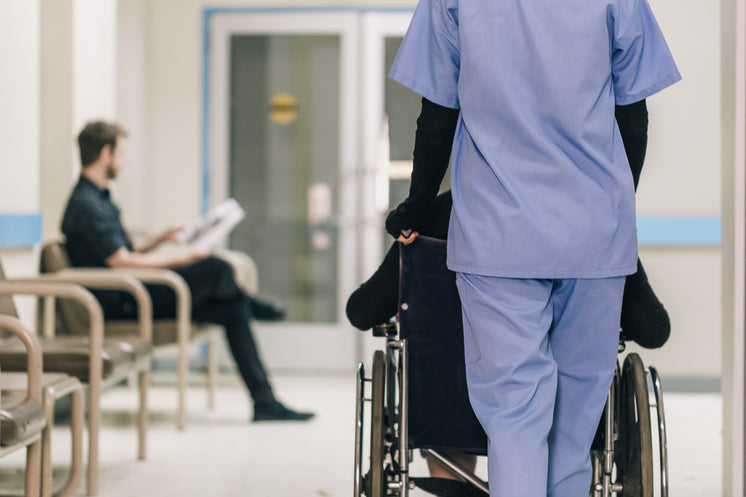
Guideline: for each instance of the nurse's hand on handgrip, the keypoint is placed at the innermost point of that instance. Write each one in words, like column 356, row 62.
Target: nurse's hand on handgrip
column 407, row 236
column 408, row 216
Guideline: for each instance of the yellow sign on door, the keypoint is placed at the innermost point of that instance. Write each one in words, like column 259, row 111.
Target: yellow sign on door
column 283, row 108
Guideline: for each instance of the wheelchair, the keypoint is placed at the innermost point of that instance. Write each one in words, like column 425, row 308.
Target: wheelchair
column 416, row 398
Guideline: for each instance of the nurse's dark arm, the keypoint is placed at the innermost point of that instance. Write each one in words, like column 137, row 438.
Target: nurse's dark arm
column 432, row 151
column 633, row 126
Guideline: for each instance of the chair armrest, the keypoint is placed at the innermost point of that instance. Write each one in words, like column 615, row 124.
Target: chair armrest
column 177, row 284
column 162, row 277
column 244, row 269
column 34, row 363
column 44, row 288
column 106, row 279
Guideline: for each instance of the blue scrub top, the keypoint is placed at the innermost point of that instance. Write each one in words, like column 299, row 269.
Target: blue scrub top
column 540, row 180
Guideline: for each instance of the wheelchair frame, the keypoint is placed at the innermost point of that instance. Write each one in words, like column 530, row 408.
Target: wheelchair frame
column 623, row 466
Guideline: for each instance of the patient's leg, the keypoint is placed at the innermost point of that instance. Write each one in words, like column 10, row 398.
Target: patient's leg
column 437, row 470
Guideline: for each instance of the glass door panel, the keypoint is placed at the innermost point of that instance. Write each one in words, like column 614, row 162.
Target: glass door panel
column 284, row 142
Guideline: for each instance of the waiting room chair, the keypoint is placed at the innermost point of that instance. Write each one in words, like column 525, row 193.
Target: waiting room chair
column 97, row 361
column 55, row 386
column 180, row 331
column 22, row 416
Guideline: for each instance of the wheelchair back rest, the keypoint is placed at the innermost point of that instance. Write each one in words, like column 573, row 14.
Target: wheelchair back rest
column 428, row 298
column 430, row 319
column 71, row 315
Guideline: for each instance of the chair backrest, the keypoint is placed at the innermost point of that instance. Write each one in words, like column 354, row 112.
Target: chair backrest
column 71, row 315
column 430, row 319
column 7, row 306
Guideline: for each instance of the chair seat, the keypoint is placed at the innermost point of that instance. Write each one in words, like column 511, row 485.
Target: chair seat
column 71, row 355
column 17, row 383
column 20, row 419
column 135, row 346
column 164, row 330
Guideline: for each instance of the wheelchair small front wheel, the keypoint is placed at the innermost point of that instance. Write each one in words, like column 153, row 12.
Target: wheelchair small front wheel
column 634, row 450
column 375, row 485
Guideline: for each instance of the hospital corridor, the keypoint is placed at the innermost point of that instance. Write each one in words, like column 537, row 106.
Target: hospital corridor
column 344, row 248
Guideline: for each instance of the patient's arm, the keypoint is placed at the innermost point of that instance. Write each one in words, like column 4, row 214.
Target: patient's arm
column 376, row 300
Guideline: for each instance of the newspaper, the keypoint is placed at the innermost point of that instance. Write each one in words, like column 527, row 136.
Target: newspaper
column 211, row 230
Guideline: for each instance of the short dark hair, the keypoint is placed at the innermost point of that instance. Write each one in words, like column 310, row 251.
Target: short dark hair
column 95, row 136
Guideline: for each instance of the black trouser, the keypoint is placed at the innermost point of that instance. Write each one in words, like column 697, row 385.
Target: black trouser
column 215, row 299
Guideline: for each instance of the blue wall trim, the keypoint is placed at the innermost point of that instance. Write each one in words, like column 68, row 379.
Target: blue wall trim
column 679, row 231
column 19, row 230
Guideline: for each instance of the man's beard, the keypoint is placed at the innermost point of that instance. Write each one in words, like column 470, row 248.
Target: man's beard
column 111, row 172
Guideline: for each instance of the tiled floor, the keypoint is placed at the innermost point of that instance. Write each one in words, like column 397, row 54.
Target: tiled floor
column 223, row 455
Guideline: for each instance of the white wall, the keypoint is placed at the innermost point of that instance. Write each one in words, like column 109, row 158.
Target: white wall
column 133, row 105
column 687, row 281
column 19, row 101
column 681, row 176
column 19, row 130
column 79, row 84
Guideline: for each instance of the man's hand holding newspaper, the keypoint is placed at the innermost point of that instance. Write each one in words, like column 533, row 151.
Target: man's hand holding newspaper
column 211, row 230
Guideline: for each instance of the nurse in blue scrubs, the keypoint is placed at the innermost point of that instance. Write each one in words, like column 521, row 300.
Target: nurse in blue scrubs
column 542, row 232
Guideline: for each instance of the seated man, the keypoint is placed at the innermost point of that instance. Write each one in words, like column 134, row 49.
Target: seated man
column 95, row 238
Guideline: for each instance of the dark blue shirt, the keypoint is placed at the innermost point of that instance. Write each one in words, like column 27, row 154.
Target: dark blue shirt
column 91, row 226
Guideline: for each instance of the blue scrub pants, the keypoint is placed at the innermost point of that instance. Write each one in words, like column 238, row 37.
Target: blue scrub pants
column 540, row 356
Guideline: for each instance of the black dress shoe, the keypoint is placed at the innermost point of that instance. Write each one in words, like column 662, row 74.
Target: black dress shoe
column 445, row 487
column 266, row 311
column 278, row 412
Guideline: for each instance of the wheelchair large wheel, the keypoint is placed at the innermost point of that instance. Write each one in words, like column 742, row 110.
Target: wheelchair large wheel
column 359, row 403
column 377, row 431
column 655, row 385
column 634, row 451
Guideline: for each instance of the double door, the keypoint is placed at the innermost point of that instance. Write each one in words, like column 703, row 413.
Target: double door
column 307, row 133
